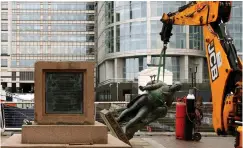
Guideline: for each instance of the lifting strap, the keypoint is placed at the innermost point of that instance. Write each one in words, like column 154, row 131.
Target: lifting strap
column 162, row 54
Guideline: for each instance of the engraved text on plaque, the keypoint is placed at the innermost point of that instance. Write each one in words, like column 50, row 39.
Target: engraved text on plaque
column 64, row 92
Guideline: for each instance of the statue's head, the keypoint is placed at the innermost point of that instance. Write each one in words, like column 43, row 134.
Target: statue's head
column 176, row 86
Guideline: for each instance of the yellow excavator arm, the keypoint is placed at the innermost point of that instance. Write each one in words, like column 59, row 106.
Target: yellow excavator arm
column 224, row 66
column 197, row 13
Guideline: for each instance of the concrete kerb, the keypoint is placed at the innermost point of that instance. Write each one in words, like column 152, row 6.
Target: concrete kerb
column 204, row 134
column 8, row 133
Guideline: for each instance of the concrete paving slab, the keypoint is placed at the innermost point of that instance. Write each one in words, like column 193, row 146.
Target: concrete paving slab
column 172, row 142
column 15, row 142
column 204, row 134
column 205, row 142
column 153, row 143
column 4, row 138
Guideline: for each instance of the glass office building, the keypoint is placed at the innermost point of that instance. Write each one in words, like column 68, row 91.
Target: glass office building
column 50, row 31
column 128, row 40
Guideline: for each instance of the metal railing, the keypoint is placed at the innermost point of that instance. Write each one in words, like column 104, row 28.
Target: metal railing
column 13, row 114
column 115, row 80
column 118, row 80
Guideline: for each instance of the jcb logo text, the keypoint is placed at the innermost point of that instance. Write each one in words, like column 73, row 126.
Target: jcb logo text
column 213, row 61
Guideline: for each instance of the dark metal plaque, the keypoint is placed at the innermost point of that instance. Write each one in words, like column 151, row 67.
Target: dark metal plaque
column 64, row 92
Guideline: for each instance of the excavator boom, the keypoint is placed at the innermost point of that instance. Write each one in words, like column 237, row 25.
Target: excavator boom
column 224, row 66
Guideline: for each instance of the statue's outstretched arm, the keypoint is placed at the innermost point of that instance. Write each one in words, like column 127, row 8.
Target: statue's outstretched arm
column 154, row 86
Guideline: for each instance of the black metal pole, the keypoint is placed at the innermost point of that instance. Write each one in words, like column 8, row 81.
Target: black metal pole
column 195, row 77
column 192, row 80
column 195, row 91
column 131, row 91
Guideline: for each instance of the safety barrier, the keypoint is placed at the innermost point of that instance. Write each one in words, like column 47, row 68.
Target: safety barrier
column 13, row 114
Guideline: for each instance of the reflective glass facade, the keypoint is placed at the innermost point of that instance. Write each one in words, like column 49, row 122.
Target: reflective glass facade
column 172, row 64
column 34, row 31
column 4, row 63
column 133, row 66
column 123, row 27
column 235, row 24
column 130, row 30
column 51, row 31
column 53, row 5
column 196, row 40
column 178, row 40
column 4, row 49
column 160, row 7
column 126, row 10
column 131, row 36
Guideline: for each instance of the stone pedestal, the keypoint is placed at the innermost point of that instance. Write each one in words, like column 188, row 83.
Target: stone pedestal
column 15, row 142
column 62, row 74
column 62, row 134
column 64, row 110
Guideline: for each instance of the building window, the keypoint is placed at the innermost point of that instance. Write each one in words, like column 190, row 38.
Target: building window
column 192, row 69
column 14, row 76
column 196, row 38
column 4, row 63
column 13, row 64
column 26, row 76
column 131, row 36
column 109, row 43
column 109, row 15
column 171, row 64
column 4, row 37
column 90, row 17
column 90, row 6
column 133, row 66
column 205, row 70
column 90, row 38
column 27, row 63
column 4, row 16
column 178, row 40
column 4, row 5
column 90, row 27
column 65, row 34
column 90, row 50
column 4, row 50
column 160, row 7
column 129, row 10
column 235, row 24
column 4, row 27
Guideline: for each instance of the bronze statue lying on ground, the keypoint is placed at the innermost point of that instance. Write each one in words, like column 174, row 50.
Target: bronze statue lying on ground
column 147, row 107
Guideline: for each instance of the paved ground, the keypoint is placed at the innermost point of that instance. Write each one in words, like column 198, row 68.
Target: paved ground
column 3, row 138
column 171, row 142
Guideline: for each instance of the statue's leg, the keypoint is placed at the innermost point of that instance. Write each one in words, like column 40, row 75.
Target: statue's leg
column 159, row 112
column 136, row 105
column 142, row 113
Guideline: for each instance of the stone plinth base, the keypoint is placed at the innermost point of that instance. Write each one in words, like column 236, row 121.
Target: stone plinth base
column 63, row 134
column 15, row 142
